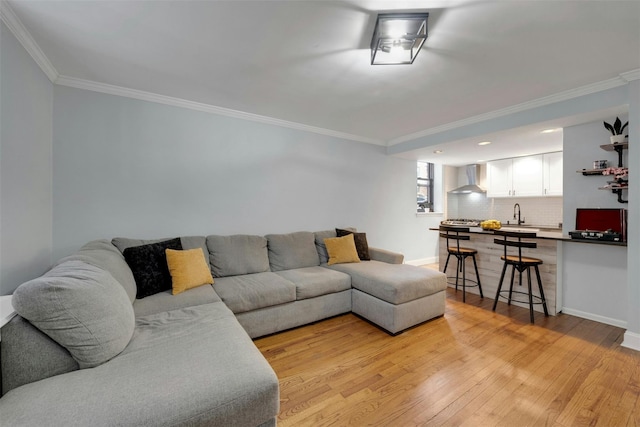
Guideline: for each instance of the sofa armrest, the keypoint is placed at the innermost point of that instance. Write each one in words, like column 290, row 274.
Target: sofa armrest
column 383, row 255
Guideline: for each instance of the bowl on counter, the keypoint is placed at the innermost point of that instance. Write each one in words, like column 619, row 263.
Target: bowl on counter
column 491, row 224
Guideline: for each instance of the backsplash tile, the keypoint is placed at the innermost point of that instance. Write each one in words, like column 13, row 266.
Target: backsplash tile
column 543, row 211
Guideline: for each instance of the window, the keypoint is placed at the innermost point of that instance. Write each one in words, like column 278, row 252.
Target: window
column 425, row 187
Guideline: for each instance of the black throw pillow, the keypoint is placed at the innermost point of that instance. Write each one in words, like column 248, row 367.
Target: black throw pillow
column 362, row 247
column 149, row 266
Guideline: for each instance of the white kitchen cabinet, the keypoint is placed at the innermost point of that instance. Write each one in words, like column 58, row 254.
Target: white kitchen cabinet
column 552, row 173
column 499, row 178
column 517, row 177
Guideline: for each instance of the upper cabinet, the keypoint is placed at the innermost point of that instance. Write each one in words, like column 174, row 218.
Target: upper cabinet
column 529, row 176
column 552, row 173
column 500, row 178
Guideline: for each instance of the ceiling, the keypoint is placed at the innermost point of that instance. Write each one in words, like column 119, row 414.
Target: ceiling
column 306, row 62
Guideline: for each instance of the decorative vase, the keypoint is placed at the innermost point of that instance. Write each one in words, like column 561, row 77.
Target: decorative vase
column 617, row 139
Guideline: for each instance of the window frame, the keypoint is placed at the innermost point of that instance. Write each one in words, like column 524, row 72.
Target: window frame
column 425, row 182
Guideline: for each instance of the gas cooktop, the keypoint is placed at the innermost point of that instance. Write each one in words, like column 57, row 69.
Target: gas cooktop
column 462, row 222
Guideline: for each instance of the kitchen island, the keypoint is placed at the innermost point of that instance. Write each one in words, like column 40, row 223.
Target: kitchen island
column 558, row 285
column 490, row 265
column 563, row 284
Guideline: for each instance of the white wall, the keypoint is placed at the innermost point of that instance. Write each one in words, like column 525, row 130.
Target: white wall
column 594, row 281
column 594, row 276
column 632, row 335
column 124, row 167
column 25, row 166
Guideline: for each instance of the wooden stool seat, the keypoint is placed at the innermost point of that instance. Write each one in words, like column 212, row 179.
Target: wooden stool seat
column 520, row 263
column 513, row 259
column 461, row 254
column 466, row 251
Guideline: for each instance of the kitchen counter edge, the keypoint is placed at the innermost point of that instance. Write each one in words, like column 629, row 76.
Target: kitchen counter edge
column 549, row 235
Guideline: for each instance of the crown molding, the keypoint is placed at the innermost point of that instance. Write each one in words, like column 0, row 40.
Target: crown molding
column 621, row 80
column 198, row 106
column 631, row 75
column 24, row 37
column 26, row 40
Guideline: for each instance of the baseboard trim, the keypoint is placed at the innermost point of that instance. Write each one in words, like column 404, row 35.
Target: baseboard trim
column 423, row 261
column 631, row 340
column 595, row 317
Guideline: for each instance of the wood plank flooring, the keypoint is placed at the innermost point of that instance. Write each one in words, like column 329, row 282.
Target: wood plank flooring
column 471, row 367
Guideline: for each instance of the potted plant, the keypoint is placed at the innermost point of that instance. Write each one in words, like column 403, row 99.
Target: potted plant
column 616, row 131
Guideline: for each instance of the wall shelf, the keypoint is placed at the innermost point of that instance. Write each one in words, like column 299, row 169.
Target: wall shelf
column 619, row 184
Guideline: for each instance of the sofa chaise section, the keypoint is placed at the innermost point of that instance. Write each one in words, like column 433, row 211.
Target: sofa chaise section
column 395, row 296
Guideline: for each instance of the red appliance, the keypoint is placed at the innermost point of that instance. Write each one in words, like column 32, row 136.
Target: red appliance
column 601, row 224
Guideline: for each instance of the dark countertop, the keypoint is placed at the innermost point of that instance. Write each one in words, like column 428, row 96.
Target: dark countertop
column 544, row 234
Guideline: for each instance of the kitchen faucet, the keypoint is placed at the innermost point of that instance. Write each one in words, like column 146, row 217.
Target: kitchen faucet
column 517, row 205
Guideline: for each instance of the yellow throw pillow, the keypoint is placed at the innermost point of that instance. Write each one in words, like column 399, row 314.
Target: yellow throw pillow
column 188, row 268
column 341, row 249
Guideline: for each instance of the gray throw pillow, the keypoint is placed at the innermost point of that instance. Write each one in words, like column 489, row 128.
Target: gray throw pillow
column 293, row 250
column 81, row 307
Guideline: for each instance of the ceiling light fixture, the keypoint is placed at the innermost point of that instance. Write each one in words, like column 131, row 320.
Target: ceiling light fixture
column 484, row 143
column 398, row 37
column 550, row 130
column 437, row 151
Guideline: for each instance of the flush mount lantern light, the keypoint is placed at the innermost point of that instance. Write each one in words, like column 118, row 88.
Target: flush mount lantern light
column 398, row 37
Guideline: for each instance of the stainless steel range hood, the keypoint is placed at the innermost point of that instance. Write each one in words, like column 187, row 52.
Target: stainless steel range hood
column 473, row 177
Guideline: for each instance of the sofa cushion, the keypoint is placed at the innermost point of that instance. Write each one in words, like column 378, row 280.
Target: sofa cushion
column 293, row 250
column 188, row 269
column 341, row 250
column 105, row 255
column 394, row 283
column 253, row 291
column 166, row 301
column 362, row 247
column 237, row 254
column 149, row 266
column 81, row 307
column 320, row 246
column 195, row 366
column 187, row 242
column 315, row 281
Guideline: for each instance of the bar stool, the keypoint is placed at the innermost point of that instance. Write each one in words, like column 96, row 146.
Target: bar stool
column 461, row 254
column 520, row 263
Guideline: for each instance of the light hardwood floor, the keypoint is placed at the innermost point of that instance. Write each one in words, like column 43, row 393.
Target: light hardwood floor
column 471, row 367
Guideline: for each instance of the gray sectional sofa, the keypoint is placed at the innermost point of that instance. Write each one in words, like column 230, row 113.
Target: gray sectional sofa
column 90, row 353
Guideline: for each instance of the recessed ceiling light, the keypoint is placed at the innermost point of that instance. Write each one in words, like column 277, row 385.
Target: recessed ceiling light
column 437, row 152
column 484, row 143
column 551, row 130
